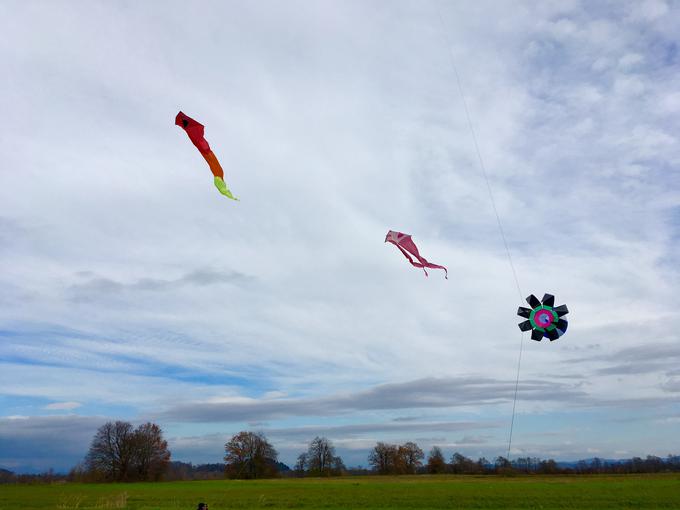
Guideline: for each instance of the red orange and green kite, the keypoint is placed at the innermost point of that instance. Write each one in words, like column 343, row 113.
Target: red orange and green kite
column 195, row 132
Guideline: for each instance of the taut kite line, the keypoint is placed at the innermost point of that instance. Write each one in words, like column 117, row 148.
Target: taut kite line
column 195, row 132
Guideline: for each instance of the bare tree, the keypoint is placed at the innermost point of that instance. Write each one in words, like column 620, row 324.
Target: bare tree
column 503, row 465
column 461, row 464
column 119, row 453
column 482, row 465
column 320, row 459
column 249, row 455
column 548, row 467
column 320, row 456
column 383, row 458
column 338, row 467
column 410, row 457
column 435, row 462
column 110, row 454
column 301, row 465
column 150, row 456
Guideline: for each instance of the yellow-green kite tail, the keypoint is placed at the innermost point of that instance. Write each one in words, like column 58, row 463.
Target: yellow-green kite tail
column 222, row 186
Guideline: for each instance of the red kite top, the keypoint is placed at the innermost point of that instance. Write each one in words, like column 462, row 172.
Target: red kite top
column 408, row 248
column 195, row 131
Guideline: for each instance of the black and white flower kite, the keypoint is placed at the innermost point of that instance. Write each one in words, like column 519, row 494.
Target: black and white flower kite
column 544, row 319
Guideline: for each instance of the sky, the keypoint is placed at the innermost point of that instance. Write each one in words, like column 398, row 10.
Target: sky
column 130, row 289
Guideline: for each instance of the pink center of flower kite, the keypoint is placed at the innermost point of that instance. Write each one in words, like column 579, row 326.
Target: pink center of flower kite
column 543, row 318
column 408, row 248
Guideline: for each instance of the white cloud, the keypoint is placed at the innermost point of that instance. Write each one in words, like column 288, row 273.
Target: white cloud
column 649, row 10
column 63, row 406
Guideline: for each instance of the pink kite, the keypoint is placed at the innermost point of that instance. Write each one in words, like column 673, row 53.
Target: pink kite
column 407, row 246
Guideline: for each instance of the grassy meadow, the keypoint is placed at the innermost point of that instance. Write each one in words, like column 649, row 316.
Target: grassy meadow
column 422, row 492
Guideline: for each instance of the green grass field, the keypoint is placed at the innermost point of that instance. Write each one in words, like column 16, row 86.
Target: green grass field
column 421, row 492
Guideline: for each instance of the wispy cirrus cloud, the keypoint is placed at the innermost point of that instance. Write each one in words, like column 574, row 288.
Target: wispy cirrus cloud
column 95, row 286
column 656, row 357
column 418, row 394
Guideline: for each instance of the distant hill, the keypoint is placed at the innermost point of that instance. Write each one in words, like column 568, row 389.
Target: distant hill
column 209, row 468
column 589, row 462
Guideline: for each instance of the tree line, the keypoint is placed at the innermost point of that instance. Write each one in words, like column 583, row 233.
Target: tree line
column 393, row 460
column 250, row 455
column 120, row 452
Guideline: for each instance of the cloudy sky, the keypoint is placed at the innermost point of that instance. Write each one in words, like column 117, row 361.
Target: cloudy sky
column 131, row 289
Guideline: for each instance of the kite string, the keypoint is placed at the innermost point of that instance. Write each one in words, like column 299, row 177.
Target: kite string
column 514, row 400
column 495, row 210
